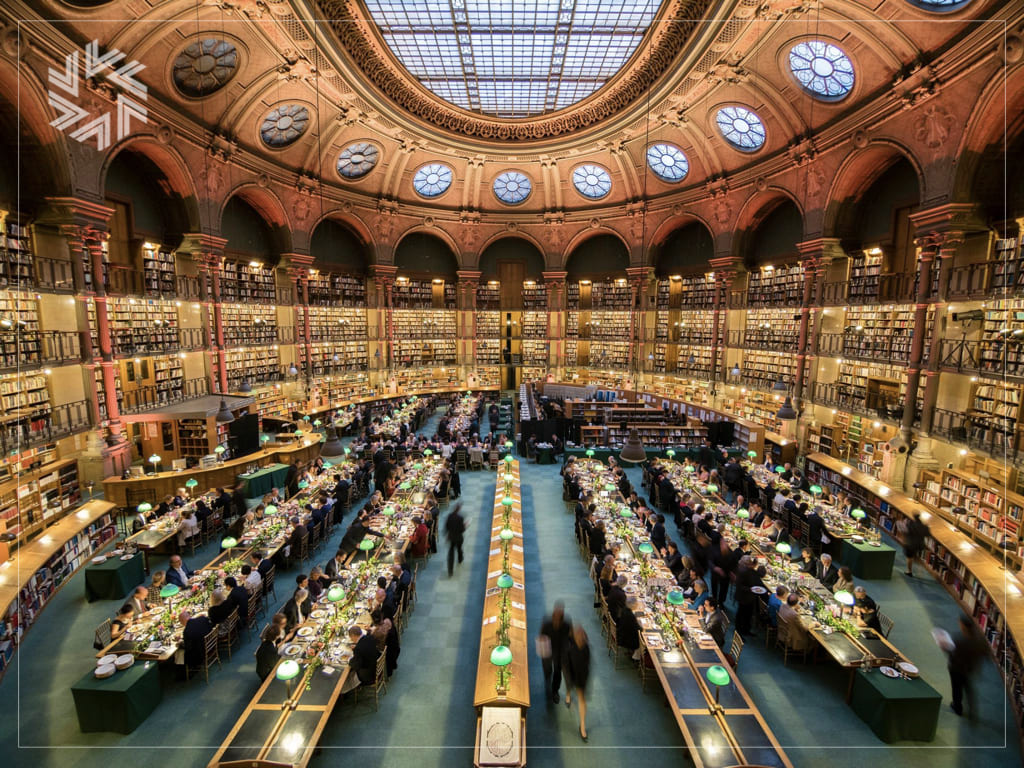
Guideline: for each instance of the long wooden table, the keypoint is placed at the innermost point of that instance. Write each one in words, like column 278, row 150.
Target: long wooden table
column 734, row 733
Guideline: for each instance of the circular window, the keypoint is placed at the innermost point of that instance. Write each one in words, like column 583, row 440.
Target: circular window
column 432, row 179
column 668, row 162
column 741, row 127
column 204, row 66
column 512, row 187
column 940, row 6
column 822, row 69
column 592, row 181
column 284, row 124
column 357, row 160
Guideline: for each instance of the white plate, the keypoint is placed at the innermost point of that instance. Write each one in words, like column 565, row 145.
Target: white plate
column 759, row 590
column 292, row 649
column 318, row 614
column 908, row 668
column 117, row 552
column 100, row 559
column 305, row 632
column 127, row 557
column 124, row 661
column 858, row 539
column 888, row 671
column 107, row 670
column 110, row 658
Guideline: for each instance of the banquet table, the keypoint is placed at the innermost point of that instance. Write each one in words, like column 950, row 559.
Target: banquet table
column 545, row 453
column 114, row 578
column 262, row 480
column 867, row 561
column 896, row 709
column 119, row 703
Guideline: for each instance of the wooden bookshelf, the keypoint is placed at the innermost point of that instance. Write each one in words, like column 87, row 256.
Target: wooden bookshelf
column 488, row 295
column 1001, row 344
column 334, row 323
column 772, row 286
column 141, row 326
column 158, row 270
column 325, row 359
column 653, row 435
column 249, row 324
column 332, row 289
column 1007, row 266
column 247, row 283
column 535, row 296
column 993, row 417
column 26, row 407
column 38, row 498
column 21, row 344
column 15, row 253
column 253, row 364
column 149, row 382
column 864, row 277
column 488, row 325
column 535, row 325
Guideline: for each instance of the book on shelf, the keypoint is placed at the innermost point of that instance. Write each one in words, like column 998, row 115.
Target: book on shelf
column 333, row 289
column 158, row 270
column 141, row 326
column 249, row 324
column 488, row 295
column 772, row 286
column 247, row 283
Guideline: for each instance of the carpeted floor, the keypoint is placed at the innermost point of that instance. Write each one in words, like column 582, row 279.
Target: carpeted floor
column 427, row 717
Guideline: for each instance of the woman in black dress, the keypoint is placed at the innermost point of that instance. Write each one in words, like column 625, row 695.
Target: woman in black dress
column 576, row 668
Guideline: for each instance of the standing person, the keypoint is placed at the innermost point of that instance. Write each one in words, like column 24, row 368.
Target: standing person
column 964, row 657
column 551, row 646
column 913, row 541
column 455, row 528
column 577, row 671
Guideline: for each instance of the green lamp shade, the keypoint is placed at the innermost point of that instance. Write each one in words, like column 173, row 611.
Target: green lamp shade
column 783, row 548
column 335, row 593
column 844, row 597
column 264, row 438
column 405, row 486
column 298, row 433
column 670, row 453
column 317, row 423
column 191, row 483
column 675, row 597
column 509, row 459
column 287, row 670
column 154, row 459
column 327, row 464
column 427, row 452
column 859, row 513
column 144, row 507
column 506, row 534
column 712, row 488
column 270, row 509
column 509, row 477
column 718, row 675
column 219, row 449
column 501, row 656
column 590, row 453
column 302, row 484
column 742, row 513
column 646, row 548
column 389, row 510
column 229, row 542
column 780, row 470
column 169, row 590
column 625, row 512
column 348, row 451
column 609, row 487
column 418, row 465
column 366, row 545
column 815, row 489
column 752, row 454
column 507, row 501
column 509, row 444
column 689, row 469
column 505, row 581
column 305, row 418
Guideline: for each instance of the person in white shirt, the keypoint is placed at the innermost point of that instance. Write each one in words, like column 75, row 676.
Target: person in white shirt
column 251, row 578
column 447, row 450
column 189, row 527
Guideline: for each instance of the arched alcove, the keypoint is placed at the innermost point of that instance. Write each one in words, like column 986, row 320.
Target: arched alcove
column 775, row 237
column 688, row 249
column 247, row 233
column 335, row 248
column 145, row 205
column 881, row 217
column 421, row 252
column 26, row 193
column 602, row 255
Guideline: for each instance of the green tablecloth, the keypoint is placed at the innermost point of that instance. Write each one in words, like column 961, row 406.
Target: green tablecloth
column 120, row 703
column 262, row 480
column 866, row 561
column 113, row 579
column 545, row 455
column 896, row 710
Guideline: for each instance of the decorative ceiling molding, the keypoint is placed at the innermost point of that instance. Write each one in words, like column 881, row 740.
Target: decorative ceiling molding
column 358, row 36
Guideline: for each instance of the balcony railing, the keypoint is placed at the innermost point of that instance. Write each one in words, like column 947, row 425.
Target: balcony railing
column 958, row 427
column 990, row 358
column 150, row 397
column 856, row 346
column 854, row 400
column 895, row 288
column 53, row 274
column 30, row 349
column 970, row 281
column 764, row 338
column 62, row 421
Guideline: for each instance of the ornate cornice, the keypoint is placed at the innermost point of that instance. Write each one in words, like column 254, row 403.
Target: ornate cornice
column 666, row 38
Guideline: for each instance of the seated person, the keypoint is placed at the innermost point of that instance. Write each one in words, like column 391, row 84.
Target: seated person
column 700, row 596
column 715, row 621
column 364, row 659
column 808, row 562
column 616, row 597
column 627, row 628
column 776, row 601
column 121, row 622
column 791, row 630
column 159, row 580
column 238, row 596
column 296, row 609
column 865, row 610
column 219, row 608
column 420, row 539
column 826, row 572
column 266, row 654
column 844, row 581
column 317, row 583
column 196, row 628
column 178, row 573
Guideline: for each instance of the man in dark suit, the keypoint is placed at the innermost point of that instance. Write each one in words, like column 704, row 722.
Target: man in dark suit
column 356, row 532
column 627, row 628
column 178, row 573
column 220, row 607
column 707, row 455
column 826, row 572
column 455, row 529
column 658, row 533
column 335, row 565
column 815, row 527
column 223, row 501
column 364, row 658
column 238, row 597
column 616, row 597
column 196, row 628
column 291, row 479
column 263, row 564
column 138, row 601
column 295, row 540
column 597, row 541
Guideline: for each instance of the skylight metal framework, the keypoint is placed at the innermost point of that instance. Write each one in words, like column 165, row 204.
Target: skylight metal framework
column 513, row 59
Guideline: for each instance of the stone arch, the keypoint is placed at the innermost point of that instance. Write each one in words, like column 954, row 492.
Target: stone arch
column 347, row 236
column 268, row 205
column 404, row 261
column 581, row 237
column 615, row 254
column 171, row 165
column 666, row 257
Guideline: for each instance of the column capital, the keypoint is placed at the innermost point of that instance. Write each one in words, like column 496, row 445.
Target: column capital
column 76, row 212
column 640, row 274
column 820, row 250
column 207, row 250
column 948, row 217
column 555, row 277
column 469, row 275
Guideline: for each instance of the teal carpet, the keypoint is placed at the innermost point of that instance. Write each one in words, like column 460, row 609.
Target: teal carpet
column 427, row 717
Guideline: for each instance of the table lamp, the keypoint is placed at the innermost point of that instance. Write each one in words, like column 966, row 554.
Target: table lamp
column 670, row 453
column 816, row 490
column 336, row 593
column 609, row 487
column 752, row 454
column 646, row 547
column 302, row 485
column 779, row 469
column 675, row 598
column 287, row 670
column 169, row 590
column 229, row 543
column 505, row 581
column 625, row 511
column 509, row 444
column 270, row 509
column 783, row 548
column 742, row 514
column 191, row 483
column 590, row 453
column 418, row 465
column 858, row 514
column 144, row 507
column 317, row 423
column 154, row 460
column 264, row 439
column 712, row 488
column 844, row 598
column 718, row 676
column 507, row 501
column 507, row 534
column 509, row 459
column 405, row 486
column 219, row 450
column 389, row 510
column 689, row 469
column 427, row 452
column 501, row 657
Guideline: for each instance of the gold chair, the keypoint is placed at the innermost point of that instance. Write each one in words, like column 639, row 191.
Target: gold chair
column 736, row 649
column 210, row 655
column 886, row 623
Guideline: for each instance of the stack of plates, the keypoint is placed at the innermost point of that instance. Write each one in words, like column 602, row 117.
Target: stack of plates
column 105, row 670
column 127, row 557
column 100, row 559
column 109, row 659
column 888, row 671
column 124, row 661
column 908, row 669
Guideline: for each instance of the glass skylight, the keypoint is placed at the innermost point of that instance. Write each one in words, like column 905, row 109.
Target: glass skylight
column 668, row 162
column 513, row 59
column 741, row 128
column 432, row 179
column 822, row 69
column 512, row 187
column 592, row 181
